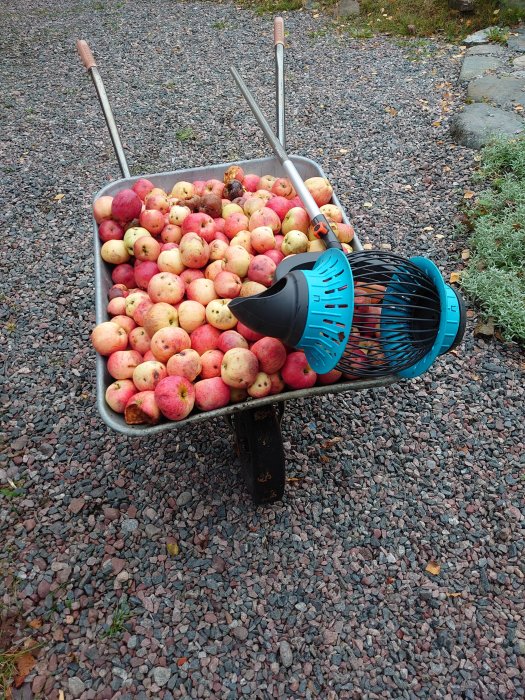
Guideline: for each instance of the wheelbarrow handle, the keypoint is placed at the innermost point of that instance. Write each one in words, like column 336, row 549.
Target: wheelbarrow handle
column 278, row 40
column 85, row 54
column 90, row 64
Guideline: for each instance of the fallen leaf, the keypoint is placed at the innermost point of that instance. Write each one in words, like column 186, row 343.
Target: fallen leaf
column 454, row 277
column 485, row 330
column 433, row 568
column 368, row 204
column 343, row 150
column 453, row 595
column 172, row 549
column 465, row 254
column 518, row 108
column 182, row 660
column 439, row 236
column 496, row 12
column 24, row 665
column 436, row 123
column 392, row 111
column 428, row 228
column 468, row 194
column 58, row 197
column 332, row 441
column 61, row 695
column 36, row 624
column 293, row 479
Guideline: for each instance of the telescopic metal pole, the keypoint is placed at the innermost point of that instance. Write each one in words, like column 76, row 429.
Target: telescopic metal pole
column 278, row 40
column 320, row 223
column 89, row 62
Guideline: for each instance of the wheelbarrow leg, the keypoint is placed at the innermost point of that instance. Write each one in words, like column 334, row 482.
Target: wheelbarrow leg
column 260, row 449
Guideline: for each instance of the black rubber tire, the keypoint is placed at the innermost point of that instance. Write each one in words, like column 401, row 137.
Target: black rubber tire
column 261, row 452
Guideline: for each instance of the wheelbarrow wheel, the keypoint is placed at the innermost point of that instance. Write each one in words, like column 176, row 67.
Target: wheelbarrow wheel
column 261, row 452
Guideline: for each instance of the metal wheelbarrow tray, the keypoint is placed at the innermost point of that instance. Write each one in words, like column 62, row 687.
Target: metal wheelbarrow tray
column 255, row 422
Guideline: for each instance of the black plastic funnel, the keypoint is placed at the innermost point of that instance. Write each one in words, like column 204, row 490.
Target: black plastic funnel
column 281, row 311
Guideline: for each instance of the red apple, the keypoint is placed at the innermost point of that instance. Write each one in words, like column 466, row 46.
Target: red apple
column 186, row 363
column 275, row 255
column 215, row 186
column 234, row 223
column 201, row 224
column 280, row 205
column 169, row 341
column 146, row 248
column 251, row 336
column 205, row 337
column 102, row 208
column 201, row 290
column 261, row 269
column 271, row 354
column 148, row 374
column 144, row 271
column 282, row 187
column 194, row 251
column 296, row 219
column 175, row 397
column 297, row 373
column 231, row 339
column 152, row 220
column 140, row 341
column 126, row 206
column 165, row 286
column 265, row 217
column 121, row 364
column 110, row 230
column 160, row 315
column 125, row 322
column 108, row 337
column 211, row 363
column 330, row 377
column 142, row 187
column 227, row 284
column 211, row 394
column 119, row 393
column 251, row 182
column 159, row 201
column 116, row 306
column 320, row 189
column 171, row 234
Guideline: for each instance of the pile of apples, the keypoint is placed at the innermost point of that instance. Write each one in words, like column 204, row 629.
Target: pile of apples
column 179, row 257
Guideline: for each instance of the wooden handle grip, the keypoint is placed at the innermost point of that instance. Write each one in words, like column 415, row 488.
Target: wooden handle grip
column 85, row 54
column 278, row 31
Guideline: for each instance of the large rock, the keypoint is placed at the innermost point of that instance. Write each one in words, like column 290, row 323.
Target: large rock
column 480, row 37
column 516, row 42
column 500, row 91
column 475, row 66
column 347, row 8
column 478, row 123
column 462, row 5
column 484, row 49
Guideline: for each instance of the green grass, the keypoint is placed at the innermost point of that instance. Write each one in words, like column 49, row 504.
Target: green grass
column 408, row 17
column 121, row 615
column 185, row 134
column 221, row 24
column 495, row 277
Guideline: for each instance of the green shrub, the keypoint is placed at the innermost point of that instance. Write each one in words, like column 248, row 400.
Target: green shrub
column 495, row 277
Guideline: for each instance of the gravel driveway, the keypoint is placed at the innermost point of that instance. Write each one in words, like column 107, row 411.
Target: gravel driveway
column 326, row 595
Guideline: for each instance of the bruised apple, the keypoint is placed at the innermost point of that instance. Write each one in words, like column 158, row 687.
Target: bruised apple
column 142, row 408
column 239, row 368
column 186, row 363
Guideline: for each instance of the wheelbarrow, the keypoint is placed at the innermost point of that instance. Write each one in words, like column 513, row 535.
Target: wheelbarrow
column 256, row 423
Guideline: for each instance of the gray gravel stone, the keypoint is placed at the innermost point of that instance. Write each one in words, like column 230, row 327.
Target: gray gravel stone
column 76, row 686
column 285, row 653
column 161, row 675
column 184, row 498
column 480, row 37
